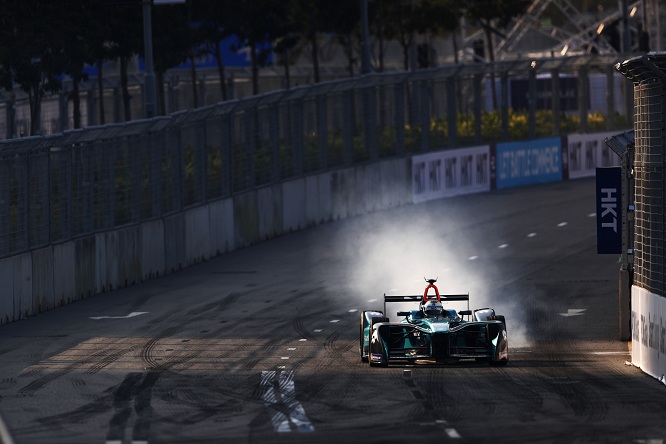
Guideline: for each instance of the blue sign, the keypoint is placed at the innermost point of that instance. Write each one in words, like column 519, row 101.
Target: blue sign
column 609, row 210
column 234, row 55
column 529, row 162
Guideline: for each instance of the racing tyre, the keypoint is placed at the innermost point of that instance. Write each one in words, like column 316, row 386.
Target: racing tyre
column 374, row 320
column 502, row 362
column 363, row 358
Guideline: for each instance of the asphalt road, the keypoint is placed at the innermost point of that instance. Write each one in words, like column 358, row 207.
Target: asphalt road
column 261, row 345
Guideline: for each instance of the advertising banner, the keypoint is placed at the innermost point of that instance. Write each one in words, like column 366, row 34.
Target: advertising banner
column 609, row 210
column 528, row 162
column 586, row 152
column 648, row 332
column 450, row 173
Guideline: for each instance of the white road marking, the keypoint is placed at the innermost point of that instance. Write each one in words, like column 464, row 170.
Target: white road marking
column 592, row 215
column 334, row 321
column 503, row 246
column 291, row 348
column 131, row 315
column 295, row 414
column 278, row 419
column 531, row 235
column 453, row 433
column 373, row 300
column 302, row 340
column 472, row 258
column 284, row 357
column 296, row 411
column 5, row 437
column 353, row 310
column 573, row 312
column 563, row 224
column 318, row 330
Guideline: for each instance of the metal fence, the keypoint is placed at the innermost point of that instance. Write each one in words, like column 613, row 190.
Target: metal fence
column 649, row 76
column 58, row 187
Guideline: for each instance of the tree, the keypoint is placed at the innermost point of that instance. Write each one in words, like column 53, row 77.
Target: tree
column 78, row 45
column 344, row 20
column 492, row 15
column 258, row 24
column 400, row 22
column 29, row 55
column 215, row 23
column 439, row 18
column 121, row 39
column 172, row 43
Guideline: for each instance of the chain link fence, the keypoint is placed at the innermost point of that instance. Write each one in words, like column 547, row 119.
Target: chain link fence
column 649, row 76
column 58, row 187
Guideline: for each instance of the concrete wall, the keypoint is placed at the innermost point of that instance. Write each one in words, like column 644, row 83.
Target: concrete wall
column 60, row 274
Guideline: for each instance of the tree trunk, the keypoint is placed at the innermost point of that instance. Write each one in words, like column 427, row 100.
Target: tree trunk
column 220, row 70
column 349, row 52
column 76, row 101
column 100, row 92
column 35, row 99
column 160, row 93
column 255, row 68
column 315, row 55
column 124, row 86
column 491, row 57
column 287, row 73
column 193, row 80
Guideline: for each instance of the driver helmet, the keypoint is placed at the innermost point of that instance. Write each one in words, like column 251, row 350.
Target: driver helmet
column 432, row 308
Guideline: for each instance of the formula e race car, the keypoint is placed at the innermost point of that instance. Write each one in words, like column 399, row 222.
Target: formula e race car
column 433, row 333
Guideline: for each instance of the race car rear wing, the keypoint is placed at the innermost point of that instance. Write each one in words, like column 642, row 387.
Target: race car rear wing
column 418, row 298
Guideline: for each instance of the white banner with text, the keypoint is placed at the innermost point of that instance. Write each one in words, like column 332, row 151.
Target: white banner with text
column 450, row 173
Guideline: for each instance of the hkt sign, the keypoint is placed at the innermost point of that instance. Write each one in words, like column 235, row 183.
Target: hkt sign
column 609, row 210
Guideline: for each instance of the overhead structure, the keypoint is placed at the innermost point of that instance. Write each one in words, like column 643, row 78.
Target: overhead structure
column 583, row 33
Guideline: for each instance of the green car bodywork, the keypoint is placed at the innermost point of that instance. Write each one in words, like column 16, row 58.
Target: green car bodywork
column 442, row 338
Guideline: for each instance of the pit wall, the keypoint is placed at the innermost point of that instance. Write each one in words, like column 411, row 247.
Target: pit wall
column 63, row 273
column 648, row 332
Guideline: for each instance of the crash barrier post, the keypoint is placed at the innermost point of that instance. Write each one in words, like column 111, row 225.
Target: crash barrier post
column 648, row 290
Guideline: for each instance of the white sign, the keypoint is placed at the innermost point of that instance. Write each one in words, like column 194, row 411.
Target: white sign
column 450, row 173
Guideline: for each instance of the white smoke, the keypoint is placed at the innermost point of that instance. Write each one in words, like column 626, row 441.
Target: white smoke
column 393, row 253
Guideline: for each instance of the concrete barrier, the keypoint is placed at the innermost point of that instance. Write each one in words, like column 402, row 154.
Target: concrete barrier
column 222, row 226
column 60, row 274
column 197, row 234
column 293, row 204
column 648, row 348
column 340, row 192
column 318, row 199
column 22, row 265
column 118, row 258
column 270, row 214
column 7, row 283
column 246, row 219
column 395, row 183
column 174, row 243
column 64, row 269
column 152, row 249
column 86, row 267
column 43, row 297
